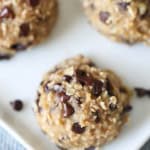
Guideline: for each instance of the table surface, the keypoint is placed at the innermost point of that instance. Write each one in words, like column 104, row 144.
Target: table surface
column 7, row 142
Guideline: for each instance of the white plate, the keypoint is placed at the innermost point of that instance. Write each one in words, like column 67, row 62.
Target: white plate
column 20, row 77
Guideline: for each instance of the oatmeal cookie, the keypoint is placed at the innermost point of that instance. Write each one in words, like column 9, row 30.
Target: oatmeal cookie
column 24, row 23
column 80, row 106
column 121, row 20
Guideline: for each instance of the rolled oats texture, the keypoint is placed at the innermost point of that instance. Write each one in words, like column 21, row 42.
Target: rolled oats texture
column 77, row 113
column 125, row 21
column 24, row 24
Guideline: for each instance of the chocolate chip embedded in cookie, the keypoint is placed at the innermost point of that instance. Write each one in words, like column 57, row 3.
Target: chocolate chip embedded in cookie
column 25, row 23
column 33, row 3
column 82, row 106
column 123, row 21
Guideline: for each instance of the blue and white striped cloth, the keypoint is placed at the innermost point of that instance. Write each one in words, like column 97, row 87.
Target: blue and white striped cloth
column 7, row 142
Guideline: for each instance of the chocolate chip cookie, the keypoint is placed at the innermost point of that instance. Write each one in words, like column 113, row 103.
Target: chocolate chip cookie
column 121, row 20
column 80, row 106
column 24, row 23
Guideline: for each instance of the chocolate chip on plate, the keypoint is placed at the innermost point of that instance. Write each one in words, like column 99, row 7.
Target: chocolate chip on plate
column 148, row 93
column 77, row 128
column 97, row 87
column 67, row 78
column 6, row 12
column 17, row 105
column 140, row 92
column 68, row 110
column 24, row 29
column 33, row 3
column 104, row 15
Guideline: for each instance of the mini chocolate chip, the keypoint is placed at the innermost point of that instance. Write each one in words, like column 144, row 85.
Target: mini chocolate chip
column 24, row 29
column 58, row 87
column 19, row 47
column 104, row 15
column 63, row 97
column 67, row 78
column 97, row 116
column 97, row 88
column 68, row 110
column 109, row 88
column 77, row 128
column 140, row 92
column 123, row 5
column 83, row 78
column 5, row 56
column 17, row 105
column 112, row 107
column 90, row 148
column 6, row 12
column 80, row 74
column 33, row 3
column 127, row 108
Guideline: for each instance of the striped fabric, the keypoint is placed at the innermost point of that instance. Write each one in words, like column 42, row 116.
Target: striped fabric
column 7, row 142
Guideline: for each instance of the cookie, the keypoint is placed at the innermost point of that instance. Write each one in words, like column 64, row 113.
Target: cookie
column 121, row 20
column 80, row 106
column 24, row 24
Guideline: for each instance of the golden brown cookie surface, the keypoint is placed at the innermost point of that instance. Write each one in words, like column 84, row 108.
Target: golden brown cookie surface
column 80, row 106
